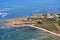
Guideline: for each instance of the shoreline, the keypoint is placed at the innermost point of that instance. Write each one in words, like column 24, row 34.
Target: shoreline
column 45, row 30
column 33, row 21
column 53, row 33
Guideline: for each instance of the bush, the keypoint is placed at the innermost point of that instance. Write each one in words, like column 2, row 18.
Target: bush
column 38, row 22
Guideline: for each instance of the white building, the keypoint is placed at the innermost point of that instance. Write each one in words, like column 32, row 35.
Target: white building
column 56, row 15
column 50, row 16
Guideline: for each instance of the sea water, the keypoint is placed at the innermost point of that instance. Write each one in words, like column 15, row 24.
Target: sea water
column 24, row 33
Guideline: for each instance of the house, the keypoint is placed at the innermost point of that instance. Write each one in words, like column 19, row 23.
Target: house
column 50, row 16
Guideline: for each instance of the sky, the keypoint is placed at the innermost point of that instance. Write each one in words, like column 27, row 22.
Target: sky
column 22, row 7
column 29, row 4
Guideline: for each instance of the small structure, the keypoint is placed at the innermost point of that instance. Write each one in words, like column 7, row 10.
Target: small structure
column 58, row 18
column 50, row 16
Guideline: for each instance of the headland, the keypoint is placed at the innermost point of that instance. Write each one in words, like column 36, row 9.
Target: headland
column 46, row 22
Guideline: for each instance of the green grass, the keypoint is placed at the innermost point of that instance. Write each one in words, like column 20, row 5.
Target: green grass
column 49, row 25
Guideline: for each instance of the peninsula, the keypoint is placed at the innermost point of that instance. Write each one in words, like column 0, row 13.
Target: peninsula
column 47, row 22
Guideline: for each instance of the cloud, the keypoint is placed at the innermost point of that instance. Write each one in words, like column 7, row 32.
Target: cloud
column 4, row 11
column 3, row 14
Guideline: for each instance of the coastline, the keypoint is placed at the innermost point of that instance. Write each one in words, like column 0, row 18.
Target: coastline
column 37, row 21
column 50, row 32
column 45, row 30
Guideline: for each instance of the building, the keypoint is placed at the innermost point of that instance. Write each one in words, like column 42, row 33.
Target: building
column 58, row 18
column 50, row 16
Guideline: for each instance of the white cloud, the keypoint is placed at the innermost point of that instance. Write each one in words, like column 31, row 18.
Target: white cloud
column 3, row 14
column 3, row 11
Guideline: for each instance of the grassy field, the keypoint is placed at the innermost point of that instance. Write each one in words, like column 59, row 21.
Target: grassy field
column 50, row 25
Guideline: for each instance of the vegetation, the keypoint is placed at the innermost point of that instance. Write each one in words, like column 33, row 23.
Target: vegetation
column 49, row 24
column 38, row 22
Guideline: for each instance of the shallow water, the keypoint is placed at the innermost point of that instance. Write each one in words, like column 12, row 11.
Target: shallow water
column 24, row 33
